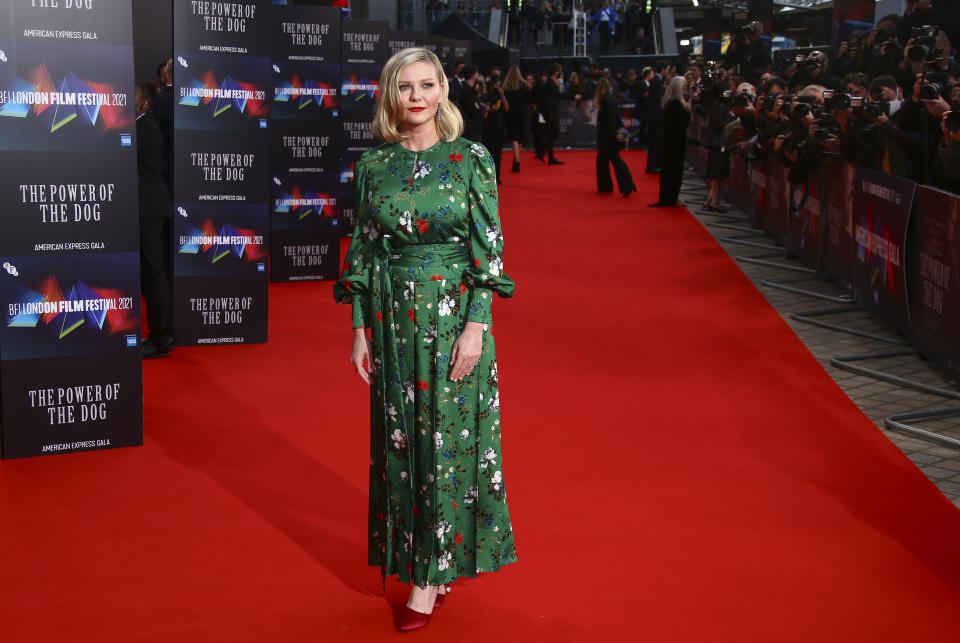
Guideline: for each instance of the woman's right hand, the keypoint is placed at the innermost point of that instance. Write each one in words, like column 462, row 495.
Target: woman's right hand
column 362, row 354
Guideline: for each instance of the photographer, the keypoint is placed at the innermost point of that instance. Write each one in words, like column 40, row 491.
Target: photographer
column 748, row 52
column 771, row 122
column 814, row 70
column 857, row 84
column 715, row 108
column 899, row 140
column 797, row 150
column 946, row 168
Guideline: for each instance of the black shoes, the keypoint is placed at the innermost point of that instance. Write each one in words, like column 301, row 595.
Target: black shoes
column 554, row 162
column 151, row 350
column 713, row 208
column 516, row 167
column 629, row 192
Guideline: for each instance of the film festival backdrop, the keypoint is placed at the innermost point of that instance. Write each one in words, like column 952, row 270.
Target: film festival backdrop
column 221, row 183
column 70, row 377
column 273, row 106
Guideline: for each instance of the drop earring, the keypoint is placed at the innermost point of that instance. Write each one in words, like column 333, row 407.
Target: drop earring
column 439, row 116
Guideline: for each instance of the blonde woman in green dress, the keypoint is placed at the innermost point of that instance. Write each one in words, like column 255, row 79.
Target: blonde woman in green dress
column 424, row 265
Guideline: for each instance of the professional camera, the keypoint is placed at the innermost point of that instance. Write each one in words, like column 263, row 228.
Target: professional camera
column 826, row 127
column 856, row 105
column 743, row 31
column 787, row 109
column 893, row 50
column 924, row 43
column 874, row 109
column 931, row 90
column 767, row 103
column 743, row 100
column 841, row 102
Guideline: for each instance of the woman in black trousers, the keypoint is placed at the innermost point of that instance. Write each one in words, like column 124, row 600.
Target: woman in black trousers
column 676, row 119
column 517, row 111
column 609, row 143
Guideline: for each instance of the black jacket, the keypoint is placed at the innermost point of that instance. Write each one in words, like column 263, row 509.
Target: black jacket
column 155, row 199
column 608, row 122
column 163, row 111
column 472, row 116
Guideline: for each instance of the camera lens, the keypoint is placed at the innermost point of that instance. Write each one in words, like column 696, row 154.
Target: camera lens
column 930, row 91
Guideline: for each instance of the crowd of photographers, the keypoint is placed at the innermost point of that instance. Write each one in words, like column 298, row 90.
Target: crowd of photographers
column 888, row 100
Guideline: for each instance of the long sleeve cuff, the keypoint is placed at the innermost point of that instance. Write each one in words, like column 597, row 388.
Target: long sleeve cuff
column 480, row 302
column 360, row 315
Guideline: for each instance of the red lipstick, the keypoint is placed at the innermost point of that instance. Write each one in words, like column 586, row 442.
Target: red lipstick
column 416, row 109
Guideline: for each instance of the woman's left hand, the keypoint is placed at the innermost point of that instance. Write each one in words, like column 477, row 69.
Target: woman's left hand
column 466, row 351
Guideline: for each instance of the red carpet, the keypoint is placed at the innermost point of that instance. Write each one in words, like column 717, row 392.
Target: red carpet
column 679, row 467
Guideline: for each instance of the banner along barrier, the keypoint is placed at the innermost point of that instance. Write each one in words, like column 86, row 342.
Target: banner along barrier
column 837, row 208
column 881, row 215
column 933, row 269
column 804, row 222
column 739, row 186
column 771, row 192
column 222, row 191
column 307, row 143
column 70, row 369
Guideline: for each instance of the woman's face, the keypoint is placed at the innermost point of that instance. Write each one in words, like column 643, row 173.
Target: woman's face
column 420, row 93
column 530, row 79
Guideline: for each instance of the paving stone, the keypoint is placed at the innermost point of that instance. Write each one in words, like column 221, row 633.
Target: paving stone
column 935, row 473
column 926, row 458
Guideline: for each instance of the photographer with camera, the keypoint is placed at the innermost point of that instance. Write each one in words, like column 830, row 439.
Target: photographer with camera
column 946, row 168
column 747, row 52
column 815, row 70
column 771, row 122
column 714, row 106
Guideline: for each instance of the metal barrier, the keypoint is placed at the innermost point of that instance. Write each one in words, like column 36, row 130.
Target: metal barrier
column 850, row 226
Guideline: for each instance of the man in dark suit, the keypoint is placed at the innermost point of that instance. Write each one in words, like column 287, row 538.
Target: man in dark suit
column 470, row 107
column 163, row 111
column 455, row 83
column 654, row 115
column 156, row 214
column 548, row 104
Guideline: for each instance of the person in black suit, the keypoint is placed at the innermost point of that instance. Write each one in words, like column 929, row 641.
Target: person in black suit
column 548, row 114
column 163, row 112
column 676, row 119
column 654, row 115
column 610, row 142
column 156, row 214
column 470, row 107
column 455, row 83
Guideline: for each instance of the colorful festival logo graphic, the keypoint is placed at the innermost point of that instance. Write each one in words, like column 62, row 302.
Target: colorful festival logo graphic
column 303, row 203
column 305, row 92
column 347, row 171
column 220, row 97
column 73, row 99
column 228, row 241
column 103, row 309
column 358, row 89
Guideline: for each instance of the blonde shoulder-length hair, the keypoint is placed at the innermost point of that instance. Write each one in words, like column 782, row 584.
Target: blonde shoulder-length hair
column 387, row 117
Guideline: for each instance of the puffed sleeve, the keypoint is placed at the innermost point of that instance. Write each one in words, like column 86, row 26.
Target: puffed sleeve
column 486, row 275
column 353, row 286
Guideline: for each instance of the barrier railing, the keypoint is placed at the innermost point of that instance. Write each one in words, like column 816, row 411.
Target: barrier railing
column 892, row 244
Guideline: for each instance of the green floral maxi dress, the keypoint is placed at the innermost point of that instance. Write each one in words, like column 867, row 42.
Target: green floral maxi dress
column 426, row 257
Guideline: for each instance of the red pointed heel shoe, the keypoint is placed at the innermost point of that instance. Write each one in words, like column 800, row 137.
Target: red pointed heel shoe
column 412, row 620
